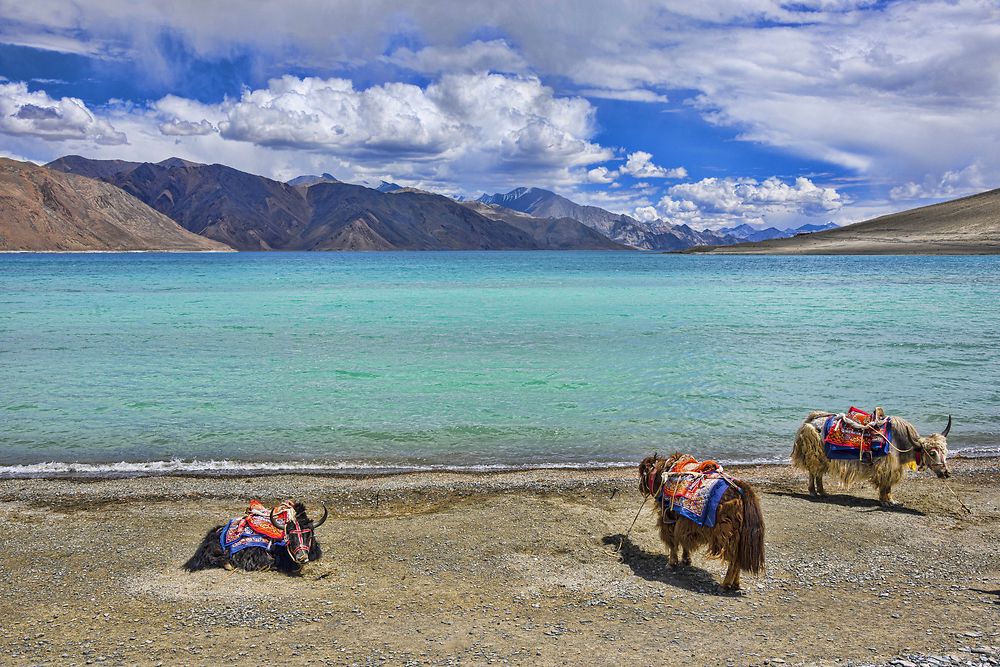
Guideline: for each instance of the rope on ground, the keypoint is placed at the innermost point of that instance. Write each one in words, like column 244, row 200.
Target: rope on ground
column 964, row 506
column 621, row 544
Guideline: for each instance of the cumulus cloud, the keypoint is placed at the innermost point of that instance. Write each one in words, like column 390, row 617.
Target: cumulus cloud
column 601, row 175
column 496, row 120
column 36, row 114
column 640, row 165
column 718, row 202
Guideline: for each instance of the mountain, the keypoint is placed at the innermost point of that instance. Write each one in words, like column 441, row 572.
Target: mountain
column 966, row 226
column 251, row 212
column 306, row 181
column 554, row 233
column 45, row 209
column 620, row 228
column 745, row 232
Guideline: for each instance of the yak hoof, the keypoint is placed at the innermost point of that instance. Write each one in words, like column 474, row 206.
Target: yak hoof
column 888, row 503
column 227, row 566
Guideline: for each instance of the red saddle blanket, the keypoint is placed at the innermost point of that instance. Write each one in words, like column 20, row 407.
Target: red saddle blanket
column 694, row 489
column 258, row 517
column 857, row 433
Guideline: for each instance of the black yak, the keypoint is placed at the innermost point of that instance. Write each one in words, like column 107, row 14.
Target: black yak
column 288, row 551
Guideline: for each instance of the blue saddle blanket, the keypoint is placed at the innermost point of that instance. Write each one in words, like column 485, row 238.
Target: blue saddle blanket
column 239, row 535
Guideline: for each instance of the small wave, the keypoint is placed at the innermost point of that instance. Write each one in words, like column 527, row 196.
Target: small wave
column 227, row 467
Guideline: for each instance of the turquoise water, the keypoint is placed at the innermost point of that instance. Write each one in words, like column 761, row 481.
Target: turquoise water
column 478, row 359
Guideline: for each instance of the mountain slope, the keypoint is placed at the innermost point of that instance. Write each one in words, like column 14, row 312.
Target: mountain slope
column 251, row 212
column 553, row 233
column 44, row 209
column 970, row 225
column 620, row 228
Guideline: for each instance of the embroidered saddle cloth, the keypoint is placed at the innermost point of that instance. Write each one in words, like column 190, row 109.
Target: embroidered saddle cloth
column 857, row 435
column 255, row 529
column 694, row 489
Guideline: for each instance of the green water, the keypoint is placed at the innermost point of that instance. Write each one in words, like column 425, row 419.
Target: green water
column 479, row 359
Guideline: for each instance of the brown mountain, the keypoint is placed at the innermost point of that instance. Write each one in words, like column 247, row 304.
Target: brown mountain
column 556, row 233
column 44, row 209
column 967, row 226
column 251, row 212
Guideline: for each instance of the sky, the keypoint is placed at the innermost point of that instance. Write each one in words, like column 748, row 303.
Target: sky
column 711, row 114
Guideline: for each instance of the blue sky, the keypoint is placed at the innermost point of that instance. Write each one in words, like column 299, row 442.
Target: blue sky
column 710, row 114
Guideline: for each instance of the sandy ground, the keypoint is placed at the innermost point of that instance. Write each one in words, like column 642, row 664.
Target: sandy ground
column 513, row 568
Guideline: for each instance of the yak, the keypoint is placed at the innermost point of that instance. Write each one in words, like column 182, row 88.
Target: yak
column 884, row 472
column 736, row 535
column 290, row 554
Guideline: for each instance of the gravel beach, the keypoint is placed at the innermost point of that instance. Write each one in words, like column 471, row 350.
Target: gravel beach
column 509, row 568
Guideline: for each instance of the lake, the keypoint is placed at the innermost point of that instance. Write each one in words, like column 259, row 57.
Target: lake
column 134, row 363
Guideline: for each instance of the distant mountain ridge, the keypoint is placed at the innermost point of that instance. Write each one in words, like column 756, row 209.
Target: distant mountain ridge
column 745, row 232
column 618, row 227
column 44, row 210
column 250, row 212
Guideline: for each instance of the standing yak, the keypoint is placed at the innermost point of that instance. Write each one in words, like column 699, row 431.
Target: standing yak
column 903, row 448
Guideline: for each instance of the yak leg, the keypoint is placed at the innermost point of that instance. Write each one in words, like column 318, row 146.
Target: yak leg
column 732, row 580
column 816, row 484
column 672, row 560
column 667, row 536
column 819, row 485
column 686, row 557
column 885, row 496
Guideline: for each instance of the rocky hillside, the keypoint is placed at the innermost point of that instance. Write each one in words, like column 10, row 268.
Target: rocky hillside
column 251, row 212
column 966, row 226
column 620, row 228
column 44, row 209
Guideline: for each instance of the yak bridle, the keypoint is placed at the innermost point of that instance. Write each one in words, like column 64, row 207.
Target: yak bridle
column 935, row 456
column 299, row 537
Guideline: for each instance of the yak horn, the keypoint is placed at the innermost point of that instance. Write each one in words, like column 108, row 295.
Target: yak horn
column 273, row 522
column 322, row 518
column 947, row 428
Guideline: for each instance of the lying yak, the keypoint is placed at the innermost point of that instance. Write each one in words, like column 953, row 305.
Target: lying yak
column 873, row 447
column 280, row 538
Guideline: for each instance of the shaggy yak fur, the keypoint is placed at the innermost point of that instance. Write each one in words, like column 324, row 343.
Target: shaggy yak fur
column 886, row 472
column 255, row 559
column 737, row 537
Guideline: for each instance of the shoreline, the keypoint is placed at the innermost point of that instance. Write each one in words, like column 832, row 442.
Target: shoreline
column 517, row 566
column 211, row 468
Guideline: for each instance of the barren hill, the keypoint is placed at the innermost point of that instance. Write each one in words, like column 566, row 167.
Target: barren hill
column 251, row 212
column 44, row 209
column 967, row 226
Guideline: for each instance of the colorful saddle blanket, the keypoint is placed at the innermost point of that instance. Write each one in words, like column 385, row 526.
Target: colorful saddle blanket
column 694, row 489
column 255, row 529
column 857, row 435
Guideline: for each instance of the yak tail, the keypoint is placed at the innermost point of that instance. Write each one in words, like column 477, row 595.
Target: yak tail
column 807, row 453
column 751, row 550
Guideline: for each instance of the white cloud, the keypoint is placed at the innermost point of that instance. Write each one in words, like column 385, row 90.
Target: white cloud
column 36, row 114
column 185, row 128
column 646, row 214
column 640, row 165
column 477, row 56
column 628, row 95
column 478, row 121
column 601, row 175
column 720, row 202
column 951, row 184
